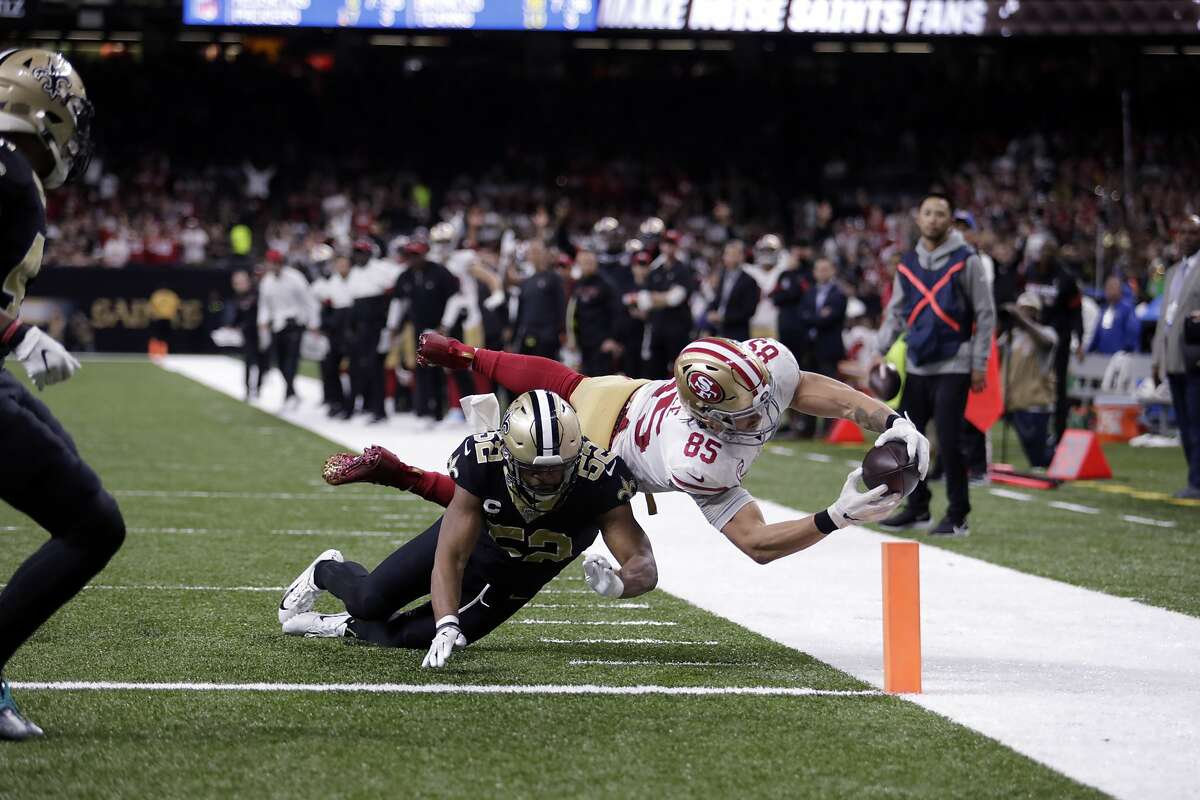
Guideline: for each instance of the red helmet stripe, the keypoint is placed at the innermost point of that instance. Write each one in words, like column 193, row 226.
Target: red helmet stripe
column 739, row 351
column 721, row 350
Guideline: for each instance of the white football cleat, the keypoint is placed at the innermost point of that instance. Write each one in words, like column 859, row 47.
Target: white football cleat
column 316, row 625
column 300, row 596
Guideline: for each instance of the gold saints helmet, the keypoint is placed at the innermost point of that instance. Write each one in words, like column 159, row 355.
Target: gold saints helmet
column 727, row 389
column 42, row 95
column 540, row 440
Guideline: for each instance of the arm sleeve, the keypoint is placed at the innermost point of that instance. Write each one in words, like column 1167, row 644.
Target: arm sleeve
column 264, row 308
column 892, row 325
column 675, row 295
column 985, row 314
column 720, row 508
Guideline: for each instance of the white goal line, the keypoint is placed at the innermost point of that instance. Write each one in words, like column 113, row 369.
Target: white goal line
column 445, row 688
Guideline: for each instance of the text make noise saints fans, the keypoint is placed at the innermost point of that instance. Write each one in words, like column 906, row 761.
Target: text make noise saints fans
column 527, row 500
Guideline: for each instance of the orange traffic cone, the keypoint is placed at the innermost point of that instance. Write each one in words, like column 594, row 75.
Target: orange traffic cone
column 844, row 432
column 1079, row 457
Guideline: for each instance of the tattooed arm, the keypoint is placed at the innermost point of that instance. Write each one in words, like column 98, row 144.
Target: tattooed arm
column 826, row 397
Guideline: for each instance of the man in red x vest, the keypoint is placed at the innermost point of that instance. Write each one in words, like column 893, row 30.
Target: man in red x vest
column 942, row 303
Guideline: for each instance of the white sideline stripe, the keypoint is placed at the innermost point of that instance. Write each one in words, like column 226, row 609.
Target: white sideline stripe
column 277, row 532
column 780, row 450
column 361, row 534
column 1078, row 509
column 852, row 463
column 1009, row 494
column 184, row 587
column 445, row 688
column 577, row 662
column 587, row 605
column 1158, row 523
column 623, row 641
column 177, row 587
column 1103, row 689
column 566, row 591
column 644, row 623
column 330, row 495
column 819, row 457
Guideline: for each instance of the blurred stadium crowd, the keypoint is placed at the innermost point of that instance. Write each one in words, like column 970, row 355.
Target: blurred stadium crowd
column 612, row 238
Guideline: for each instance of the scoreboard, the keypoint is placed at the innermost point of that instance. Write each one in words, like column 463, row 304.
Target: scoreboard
column 536, row 15
column 844, row 17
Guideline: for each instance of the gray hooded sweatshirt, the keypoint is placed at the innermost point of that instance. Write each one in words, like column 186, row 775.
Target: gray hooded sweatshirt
column 972, row 355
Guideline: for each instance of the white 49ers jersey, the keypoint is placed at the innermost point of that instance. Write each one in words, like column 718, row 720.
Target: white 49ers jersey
column 668, row 451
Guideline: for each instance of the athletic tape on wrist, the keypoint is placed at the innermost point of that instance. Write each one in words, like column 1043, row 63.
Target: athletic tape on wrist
column 13, row 334
column 447, row 621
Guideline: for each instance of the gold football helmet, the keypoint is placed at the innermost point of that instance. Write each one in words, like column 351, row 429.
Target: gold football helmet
column 768, row 250
column 540, row 440
column 42, row 95
column 727, row 389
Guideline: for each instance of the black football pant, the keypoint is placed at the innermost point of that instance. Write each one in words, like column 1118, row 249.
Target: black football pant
column 429, row 392
column 42, row 476
column 665, row 345
column 941, row 399
column 373, row 598
column 287, row 354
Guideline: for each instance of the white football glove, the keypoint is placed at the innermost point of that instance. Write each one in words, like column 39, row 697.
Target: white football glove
column 601, row 577
column 854, row 506
column 449, row 637
column 46, row 361
column 903, row 430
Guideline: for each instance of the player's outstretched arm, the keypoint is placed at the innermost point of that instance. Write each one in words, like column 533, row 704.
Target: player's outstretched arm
column 456, row 539
column 826, row 397
column 764, row 543
column 630, row 545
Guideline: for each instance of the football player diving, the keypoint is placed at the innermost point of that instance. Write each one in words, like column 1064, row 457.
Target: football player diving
column 698, row 433
column 526, row 500
column 45, row 120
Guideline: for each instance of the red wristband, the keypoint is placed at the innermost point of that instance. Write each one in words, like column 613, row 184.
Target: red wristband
column 10, row 331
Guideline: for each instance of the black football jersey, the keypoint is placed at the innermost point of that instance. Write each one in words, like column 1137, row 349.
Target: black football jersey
column 22, row 227
column 535, row 550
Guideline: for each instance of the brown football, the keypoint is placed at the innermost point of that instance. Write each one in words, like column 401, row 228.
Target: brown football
column 884, row 381
column 888, row 463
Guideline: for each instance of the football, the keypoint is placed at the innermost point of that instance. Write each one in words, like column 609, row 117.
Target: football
column 884, row 381
column 888, row 463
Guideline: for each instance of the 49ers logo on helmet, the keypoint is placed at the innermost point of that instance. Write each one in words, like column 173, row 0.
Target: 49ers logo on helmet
column 705, row 388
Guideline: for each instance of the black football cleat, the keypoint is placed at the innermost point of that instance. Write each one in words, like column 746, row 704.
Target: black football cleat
column 14, row 727
column 949, row 529
column 905, row 518
column 376, row 465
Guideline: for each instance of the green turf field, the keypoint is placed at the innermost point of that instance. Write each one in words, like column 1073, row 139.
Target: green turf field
column 217, row 494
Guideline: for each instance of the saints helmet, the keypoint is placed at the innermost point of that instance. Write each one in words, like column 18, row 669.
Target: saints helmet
column 767, row 250
column 606, row 235
column 540, row 440
column 727, row 389
column 42, row 95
